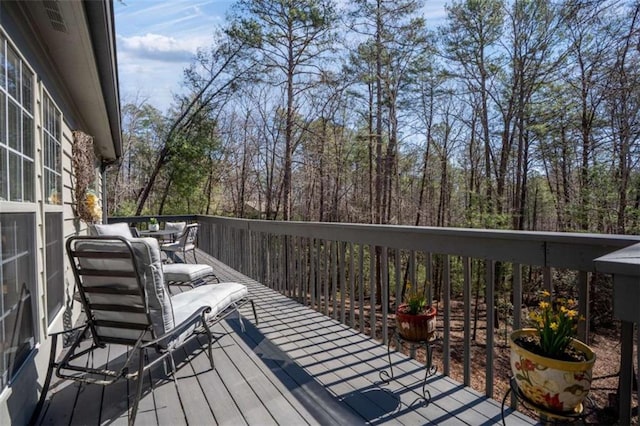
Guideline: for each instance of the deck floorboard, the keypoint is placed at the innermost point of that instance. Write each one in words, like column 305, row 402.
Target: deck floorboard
column 296, row 366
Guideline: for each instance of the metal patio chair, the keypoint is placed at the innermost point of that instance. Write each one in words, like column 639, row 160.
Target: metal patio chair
column 185, row 242
column 121, row 287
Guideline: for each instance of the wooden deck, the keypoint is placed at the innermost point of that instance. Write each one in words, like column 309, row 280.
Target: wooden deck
column 295, row 367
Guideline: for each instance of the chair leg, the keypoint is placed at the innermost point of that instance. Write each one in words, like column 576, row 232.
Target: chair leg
column 209, row 338
column 47, row 381
column 241, row 321
column 255, row 315
column 134, row 409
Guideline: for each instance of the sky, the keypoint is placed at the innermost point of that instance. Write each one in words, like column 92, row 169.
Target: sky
column 157, row 39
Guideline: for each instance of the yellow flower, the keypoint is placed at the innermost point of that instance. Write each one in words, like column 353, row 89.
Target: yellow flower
column 555, row 322
column 93, row 205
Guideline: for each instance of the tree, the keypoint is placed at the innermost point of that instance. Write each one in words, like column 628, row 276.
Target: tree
column 211, row 79
column 291, row 38
column 471, row 35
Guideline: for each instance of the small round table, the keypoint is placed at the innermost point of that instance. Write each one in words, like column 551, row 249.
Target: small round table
column 429, row 368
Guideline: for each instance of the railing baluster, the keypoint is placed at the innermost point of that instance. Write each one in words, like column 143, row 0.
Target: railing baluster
column 412, row 270
column 384, row 303
column 352, row 284
column 325, row 275
column 361, row 288
column 490, row 302
column 517, row 309
column 398, row 267
column 583, row 305
column 312, row 273
column 341, row 279
column 517, row 295
column 466, row 263
column 372, row 289
column 546, row 279
column 334, row 279
column 429, row 274
column 446, row 341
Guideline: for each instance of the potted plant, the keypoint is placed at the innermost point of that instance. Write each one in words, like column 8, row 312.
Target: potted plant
column 415, row 320
column 550, row 367
column 153, row 224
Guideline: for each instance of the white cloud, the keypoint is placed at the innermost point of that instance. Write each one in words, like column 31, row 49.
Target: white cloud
column 159, row 47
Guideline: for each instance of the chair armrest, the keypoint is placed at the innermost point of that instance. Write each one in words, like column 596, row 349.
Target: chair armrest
column 197, row 315
column 70, row 330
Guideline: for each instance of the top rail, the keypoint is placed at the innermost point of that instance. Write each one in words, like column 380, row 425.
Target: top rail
column 553, row 249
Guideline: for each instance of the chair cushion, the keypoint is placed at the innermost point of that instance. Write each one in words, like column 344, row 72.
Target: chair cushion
column 185, row 272
column 217, row 296
column 120, row 229
column 147, row 255
column 171, row 246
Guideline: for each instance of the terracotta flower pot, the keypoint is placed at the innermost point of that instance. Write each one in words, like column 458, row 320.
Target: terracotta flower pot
column 416, row 327
column 554, row 385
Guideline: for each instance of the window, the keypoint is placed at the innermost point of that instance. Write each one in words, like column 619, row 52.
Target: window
column 17, row 148
column 54, row 264
column 52, row 146
column 18, row 254
column 17, row 277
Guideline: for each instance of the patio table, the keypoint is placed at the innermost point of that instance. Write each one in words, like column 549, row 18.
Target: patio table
column 161, row 234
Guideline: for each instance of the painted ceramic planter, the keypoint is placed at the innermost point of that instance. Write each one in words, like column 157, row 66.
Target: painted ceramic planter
column 554, row 385
column 154, row 227
column 416, row 328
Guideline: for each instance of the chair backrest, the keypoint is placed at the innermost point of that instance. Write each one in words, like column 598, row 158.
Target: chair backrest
column 121, row 286
column 134, row 232
column 175, row 226
column 190, row 235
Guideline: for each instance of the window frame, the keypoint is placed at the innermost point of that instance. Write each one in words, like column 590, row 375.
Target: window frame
column 19, row 156
column 47, row 140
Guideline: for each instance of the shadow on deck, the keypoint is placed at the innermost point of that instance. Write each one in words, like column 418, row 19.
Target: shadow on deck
column 296, row 366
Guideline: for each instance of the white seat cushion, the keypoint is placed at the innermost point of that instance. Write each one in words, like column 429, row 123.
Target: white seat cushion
column 185, row 272
column 217, row 296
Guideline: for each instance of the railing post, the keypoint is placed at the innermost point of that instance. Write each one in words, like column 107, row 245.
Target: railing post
column 624, row 265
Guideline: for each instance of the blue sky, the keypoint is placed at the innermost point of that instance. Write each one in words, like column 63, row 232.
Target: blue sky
column 156, row 40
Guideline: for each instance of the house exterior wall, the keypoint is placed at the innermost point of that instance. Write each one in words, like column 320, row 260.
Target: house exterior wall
column 19, row 389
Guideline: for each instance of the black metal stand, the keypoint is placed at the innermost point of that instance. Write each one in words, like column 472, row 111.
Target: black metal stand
column 546, row 416
column 429, row 370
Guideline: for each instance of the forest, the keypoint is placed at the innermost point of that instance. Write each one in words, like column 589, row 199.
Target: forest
column 520, row 114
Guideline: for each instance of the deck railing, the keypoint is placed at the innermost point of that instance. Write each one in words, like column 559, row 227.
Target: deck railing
column 330, row 267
